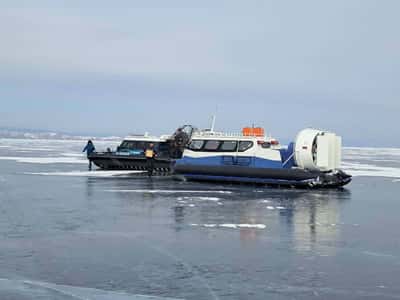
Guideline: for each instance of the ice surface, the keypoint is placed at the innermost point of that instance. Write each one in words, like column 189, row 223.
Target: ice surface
column 375, row 162
column 86, row 173
column 45, row 160
column 369, row 152
column 30, row 149
column 68, row 154
column 360, row 169
column 169, row 191
column 26, row 289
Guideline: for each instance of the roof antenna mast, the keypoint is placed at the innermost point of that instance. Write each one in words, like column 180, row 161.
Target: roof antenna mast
column 213, row 119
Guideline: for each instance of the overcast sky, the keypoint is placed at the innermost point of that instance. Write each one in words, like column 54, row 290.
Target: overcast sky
column 117, row 67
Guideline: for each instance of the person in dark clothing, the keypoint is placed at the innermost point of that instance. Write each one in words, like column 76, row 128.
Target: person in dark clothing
column 150, row 154
column 89, row 149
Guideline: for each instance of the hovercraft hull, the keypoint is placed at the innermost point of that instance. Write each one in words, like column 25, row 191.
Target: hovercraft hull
column 275, row 177
column 112, row 161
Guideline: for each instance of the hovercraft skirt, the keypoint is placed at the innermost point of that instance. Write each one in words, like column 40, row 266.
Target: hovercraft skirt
column 280, row 177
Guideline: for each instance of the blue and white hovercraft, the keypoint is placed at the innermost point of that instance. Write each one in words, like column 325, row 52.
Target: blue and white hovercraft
column 312, row 160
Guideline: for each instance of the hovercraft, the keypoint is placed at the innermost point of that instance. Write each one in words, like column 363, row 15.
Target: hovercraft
column 312, row 160
column 130, row 154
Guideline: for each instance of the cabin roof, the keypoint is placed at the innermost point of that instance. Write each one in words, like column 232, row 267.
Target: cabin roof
column 228, row 136
column 146, row 138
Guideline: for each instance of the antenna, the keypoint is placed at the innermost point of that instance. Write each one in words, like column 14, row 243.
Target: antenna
column 213, row 123
column 213, row 119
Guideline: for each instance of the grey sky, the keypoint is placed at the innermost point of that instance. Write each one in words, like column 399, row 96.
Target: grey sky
column 129, row 66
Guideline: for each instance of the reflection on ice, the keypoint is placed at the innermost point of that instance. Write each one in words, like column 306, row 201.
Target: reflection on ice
column 310, row 219
column 170, row 191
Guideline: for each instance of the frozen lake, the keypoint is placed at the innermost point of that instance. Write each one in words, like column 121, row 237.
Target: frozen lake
column 66, row 233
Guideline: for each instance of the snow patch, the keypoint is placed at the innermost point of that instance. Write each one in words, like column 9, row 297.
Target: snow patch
column 216, row 199
column 231, row 226
column 265, row 201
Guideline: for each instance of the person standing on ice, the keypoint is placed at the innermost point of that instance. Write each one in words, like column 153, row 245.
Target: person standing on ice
column 89, row 149
column 150, row 154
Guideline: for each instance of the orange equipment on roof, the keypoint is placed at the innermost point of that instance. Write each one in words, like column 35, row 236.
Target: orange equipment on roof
column 253, row 131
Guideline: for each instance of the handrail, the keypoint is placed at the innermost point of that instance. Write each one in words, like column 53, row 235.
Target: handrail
column 289, row 158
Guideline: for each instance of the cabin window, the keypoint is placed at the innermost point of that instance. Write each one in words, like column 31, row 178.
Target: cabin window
column 139, row 145
column 163, row 147
column 212, row 145
column 266, row 145
column 124, row 145
column 228, row 146
column 196, row 145
column 245, row 145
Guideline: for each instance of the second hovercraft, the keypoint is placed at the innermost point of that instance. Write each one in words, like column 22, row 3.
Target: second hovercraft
column 312, row 160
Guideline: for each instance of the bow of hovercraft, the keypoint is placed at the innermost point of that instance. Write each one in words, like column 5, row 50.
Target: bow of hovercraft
column 312, row 160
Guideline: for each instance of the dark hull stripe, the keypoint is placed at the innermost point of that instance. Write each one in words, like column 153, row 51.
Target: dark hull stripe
column 118, row 162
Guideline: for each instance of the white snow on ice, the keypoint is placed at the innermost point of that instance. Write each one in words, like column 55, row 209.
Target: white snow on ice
column 202, row 198
column 232, row 226
column 359, row 169
column 47, row 290
column 69, row 154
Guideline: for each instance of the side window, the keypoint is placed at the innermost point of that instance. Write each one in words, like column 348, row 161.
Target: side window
column 228, row 146
column 140, row 145
column 196, row 145
column 212, row 145
column 163, row 147
column 266, row 145
column 245, row 145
